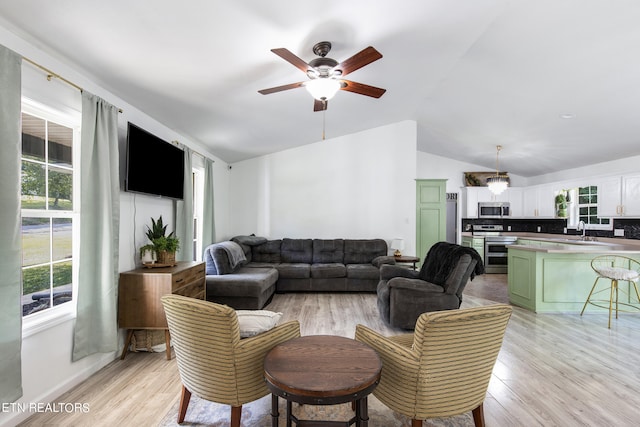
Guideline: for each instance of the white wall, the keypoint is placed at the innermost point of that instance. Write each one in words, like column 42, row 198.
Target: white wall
column 47, row 370
column 356, row 186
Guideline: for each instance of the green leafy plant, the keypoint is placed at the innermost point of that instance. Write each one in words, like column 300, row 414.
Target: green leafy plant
column 157, row 229
column 169, row 244
column 160, row 241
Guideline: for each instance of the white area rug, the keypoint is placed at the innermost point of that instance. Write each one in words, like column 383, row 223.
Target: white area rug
column 257, row 414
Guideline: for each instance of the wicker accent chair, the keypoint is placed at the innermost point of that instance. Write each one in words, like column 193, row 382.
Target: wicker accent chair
column 444, row 367
column 214, row 363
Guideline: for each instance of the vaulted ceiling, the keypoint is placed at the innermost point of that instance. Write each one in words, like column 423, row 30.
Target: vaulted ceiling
column 555, row 82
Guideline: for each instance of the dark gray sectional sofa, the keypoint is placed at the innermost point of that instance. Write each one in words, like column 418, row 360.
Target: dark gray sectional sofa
column 291, row 265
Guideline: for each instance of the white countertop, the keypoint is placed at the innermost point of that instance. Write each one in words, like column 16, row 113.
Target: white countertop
column 572, row 244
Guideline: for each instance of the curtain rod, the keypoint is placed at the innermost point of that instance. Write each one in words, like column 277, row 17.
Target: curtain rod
column 176, row 142
column 51, row 74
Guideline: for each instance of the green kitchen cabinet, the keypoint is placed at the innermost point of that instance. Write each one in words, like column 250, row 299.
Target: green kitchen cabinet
column 552, row 282
column 476, row 243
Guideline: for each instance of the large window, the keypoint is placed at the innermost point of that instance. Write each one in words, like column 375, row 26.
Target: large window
column 49, row 210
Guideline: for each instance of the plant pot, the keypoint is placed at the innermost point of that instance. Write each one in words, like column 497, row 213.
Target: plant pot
column 148, row 257
column 165, row 257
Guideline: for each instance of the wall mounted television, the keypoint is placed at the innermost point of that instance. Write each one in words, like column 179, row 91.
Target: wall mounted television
column 154, row 166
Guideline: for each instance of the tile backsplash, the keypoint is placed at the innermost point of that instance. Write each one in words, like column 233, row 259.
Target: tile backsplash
column 631, row 226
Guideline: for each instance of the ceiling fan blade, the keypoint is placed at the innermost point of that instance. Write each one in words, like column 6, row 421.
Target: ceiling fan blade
column 364, row 57
column 280, row 88
column 362, row 89
column 319, row 105
column 292, row 59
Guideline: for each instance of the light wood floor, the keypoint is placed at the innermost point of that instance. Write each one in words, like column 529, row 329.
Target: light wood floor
column 553, row 370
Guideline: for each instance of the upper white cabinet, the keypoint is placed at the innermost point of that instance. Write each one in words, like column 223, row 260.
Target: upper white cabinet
column 539, row 201
column 619, row 196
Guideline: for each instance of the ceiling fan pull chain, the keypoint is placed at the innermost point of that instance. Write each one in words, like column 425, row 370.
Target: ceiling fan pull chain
column 324, row 120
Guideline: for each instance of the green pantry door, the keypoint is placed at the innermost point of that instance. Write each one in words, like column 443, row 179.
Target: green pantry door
column 431, row 214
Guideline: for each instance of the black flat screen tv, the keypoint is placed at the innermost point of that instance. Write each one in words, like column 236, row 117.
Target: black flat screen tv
column 154, row 166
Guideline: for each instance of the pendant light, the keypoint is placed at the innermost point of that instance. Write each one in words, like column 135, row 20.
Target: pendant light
column 497, row 183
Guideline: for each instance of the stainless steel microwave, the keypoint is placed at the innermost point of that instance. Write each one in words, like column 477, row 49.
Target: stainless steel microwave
column 493, row 209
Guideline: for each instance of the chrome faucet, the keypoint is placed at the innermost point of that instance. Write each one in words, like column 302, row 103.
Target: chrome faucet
column 581, row 226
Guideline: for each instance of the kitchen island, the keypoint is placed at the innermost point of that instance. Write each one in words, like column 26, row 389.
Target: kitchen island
column 554, row 275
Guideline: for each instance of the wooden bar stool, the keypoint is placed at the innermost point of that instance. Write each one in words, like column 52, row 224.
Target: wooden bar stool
column 615, row 268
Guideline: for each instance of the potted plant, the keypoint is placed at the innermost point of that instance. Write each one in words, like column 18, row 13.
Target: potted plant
column 148, row 254
column 561, row 205
column 162, row 246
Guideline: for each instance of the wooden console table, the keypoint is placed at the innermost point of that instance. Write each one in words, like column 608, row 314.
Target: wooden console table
column 139, row 293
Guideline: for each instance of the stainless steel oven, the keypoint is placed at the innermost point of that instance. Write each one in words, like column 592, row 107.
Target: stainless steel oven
column 495, row 247
column 493, row 209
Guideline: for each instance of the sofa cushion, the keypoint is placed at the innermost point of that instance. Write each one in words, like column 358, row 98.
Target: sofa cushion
column 328, row 251
column 296, row 250
column 268, row 252
column 362, row 271
column 254, row 322
column 363, row 251
column 293, row 270
column 247, row 288
column 325, row 271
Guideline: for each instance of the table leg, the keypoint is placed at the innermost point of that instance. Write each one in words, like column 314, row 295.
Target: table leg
column 167, row 338
column 289, row 413
column 127, row 343
column 274, row 410
column 362, row 413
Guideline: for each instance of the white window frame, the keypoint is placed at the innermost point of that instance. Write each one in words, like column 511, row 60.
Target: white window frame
column 55, row 315
column 198, row 210
column 575, row 212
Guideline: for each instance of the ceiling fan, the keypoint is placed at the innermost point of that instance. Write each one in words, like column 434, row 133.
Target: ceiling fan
column 325, row 74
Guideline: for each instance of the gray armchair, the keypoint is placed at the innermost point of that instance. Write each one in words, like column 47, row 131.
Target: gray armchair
column 403, row 294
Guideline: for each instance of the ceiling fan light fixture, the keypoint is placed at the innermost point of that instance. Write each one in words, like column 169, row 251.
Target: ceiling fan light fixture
column 497, row 183
column 323, row 89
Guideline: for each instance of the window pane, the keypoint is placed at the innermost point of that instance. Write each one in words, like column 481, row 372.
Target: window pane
column 33, row 137
column 60, row 142
column 584, row 211
column 35, row 241
column 62, row 278
column 62, row 243
column 583, row 200
column 32, row 186
column 60, row 189
column 35, row 289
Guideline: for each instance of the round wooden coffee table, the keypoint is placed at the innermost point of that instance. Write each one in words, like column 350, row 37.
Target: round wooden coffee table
column 322, row 370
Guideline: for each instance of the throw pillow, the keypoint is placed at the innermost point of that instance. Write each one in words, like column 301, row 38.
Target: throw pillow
column 253, row 322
